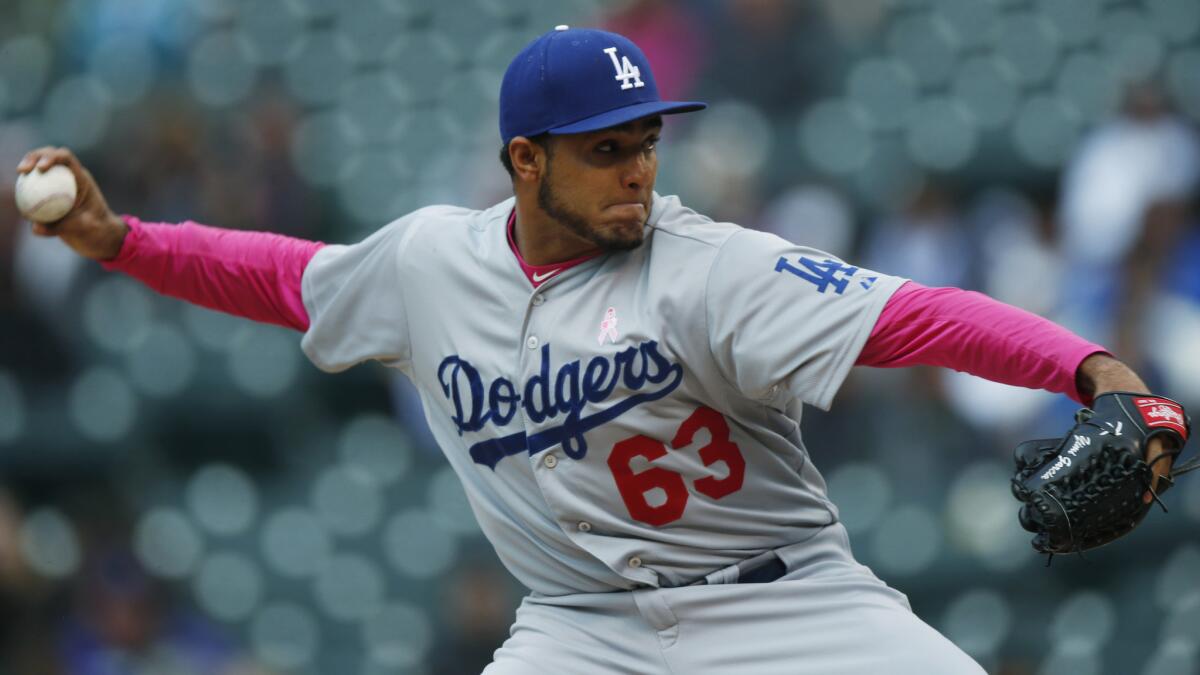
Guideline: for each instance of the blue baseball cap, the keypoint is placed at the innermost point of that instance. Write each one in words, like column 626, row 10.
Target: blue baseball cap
column 572, row 80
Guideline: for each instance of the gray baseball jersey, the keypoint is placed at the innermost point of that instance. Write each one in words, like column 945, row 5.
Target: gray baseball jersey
column 634, row 421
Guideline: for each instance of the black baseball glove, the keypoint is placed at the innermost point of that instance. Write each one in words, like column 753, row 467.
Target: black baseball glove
column 1086, row 489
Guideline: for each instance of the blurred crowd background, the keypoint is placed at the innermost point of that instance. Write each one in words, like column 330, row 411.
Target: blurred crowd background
column 182, row 493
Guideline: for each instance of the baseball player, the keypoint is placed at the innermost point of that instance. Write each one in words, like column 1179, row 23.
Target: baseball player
column 618, row 380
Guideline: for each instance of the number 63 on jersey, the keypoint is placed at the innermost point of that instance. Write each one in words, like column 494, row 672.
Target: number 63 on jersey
column 635, row 487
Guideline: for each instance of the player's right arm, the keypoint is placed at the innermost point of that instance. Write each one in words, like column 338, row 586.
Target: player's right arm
column 255, row 275
column 348, row 300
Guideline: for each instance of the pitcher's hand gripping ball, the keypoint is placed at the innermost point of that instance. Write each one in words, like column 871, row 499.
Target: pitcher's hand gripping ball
column 46, row 196
column 1086, row 489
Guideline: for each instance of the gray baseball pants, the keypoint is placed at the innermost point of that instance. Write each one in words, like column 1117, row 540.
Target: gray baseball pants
column 829, row 615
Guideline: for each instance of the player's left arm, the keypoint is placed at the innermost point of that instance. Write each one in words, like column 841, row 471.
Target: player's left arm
column 973, row 333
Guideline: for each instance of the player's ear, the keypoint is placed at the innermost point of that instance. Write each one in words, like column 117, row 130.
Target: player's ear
column 528, row 158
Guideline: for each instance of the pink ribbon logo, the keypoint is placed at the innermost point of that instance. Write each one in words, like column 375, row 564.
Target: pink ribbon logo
column 608, row 327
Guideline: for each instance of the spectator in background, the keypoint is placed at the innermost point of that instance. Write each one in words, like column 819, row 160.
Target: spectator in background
column 1170, row 267
column 926, row 241
column 1125, row 203
column 478, row 611
column 817, row 215
column 162, row 173
column 672, row 37
column 27, row 602
column 280, row 196
column 1144, row 159
column 777, row 56
column 1016, row 237
column 95, row 611
column 125, row 622
column 236, row 169
column 771, row 52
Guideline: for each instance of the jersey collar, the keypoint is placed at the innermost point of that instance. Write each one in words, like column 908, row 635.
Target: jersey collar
column 540, row 274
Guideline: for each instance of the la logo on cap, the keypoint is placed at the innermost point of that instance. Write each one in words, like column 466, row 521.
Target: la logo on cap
column 626, row 71
column 558, row 84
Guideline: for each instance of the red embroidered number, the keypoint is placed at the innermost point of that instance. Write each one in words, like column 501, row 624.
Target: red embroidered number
column 719, row 449
column 634, row 486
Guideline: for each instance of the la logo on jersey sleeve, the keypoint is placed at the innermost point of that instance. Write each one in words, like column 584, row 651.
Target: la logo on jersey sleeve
column 825, row 274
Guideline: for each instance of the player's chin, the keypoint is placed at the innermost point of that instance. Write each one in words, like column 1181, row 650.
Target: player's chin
column 620, row 235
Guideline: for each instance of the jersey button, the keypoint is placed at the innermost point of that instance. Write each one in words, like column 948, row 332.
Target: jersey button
column 635, row 562
column 585, row 526
column 538, row 300
column 532, row 342
column 550, row 461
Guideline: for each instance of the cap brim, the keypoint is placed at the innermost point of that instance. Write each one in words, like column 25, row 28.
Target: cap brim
column 629, row 113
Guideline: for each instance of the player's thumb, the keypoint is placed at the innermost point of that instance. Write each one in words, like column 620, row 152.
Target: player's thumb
column 42, row 230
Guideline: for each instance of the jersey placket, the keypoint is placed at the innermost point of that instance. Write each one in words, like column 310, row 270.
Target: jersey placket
column 553, row 469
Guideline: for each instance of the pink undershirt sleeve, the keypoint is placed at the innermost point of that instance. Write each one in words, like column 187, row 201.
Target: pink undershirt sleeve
column 970, row 332
column 255, row 275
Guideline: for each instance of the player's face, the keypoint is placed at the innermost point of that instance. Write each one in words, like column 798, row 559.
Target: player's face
column 599, row 184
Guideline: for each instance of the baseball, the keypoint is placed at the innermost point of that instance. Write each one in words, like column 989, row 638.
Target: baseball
column 44, row 197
